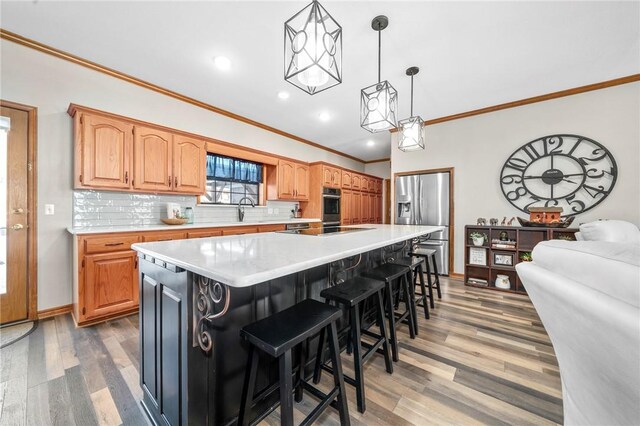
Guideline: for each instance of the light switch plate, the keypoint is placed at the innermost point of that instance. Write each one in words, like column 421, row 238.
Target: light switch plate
column 49, row 209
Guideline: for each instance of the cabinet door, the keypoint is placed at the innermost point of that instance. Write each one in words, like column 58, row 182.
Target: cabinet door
column 378, row 209
column 345, row 206
column 189, row 165
column 106, row 152
column 356, row 208
column 152, row 159
column 372, row 208
column 327, row 177
column 336, row 177
column 355, row 181
column 110, row 283
column 365, row 218
column 272, row 228
column 364, row 184
column 286, row 179
column 346, row 179
column 301, row 190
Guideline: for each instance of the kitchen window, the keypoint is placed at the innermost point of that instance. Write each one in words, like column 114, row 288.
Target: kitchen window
column 231, row 179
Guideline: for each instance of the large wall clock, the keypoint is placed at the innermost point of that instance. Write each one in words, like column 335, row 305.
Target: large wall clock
column 568, row 171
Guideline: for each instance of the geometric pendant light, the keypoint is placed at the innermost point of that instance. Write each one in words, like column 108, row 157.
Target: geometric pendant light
column 378, row 102
column 411, row 138
column 313, row 49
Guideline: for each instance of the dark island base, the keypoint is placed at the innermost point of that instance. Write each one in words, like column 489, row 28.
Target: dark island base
column 182, row 382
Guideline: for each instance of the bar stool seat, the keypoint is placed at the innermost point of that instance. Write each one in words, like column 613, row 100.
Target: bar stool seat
column 277, row 335
column 429, row 256
column 417, row 276
column 352, row 294
column 388, row 273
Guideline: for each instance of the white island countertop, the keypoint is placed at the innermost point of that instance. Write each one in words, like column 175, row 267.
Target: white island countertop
column 246, row 260
column 85, row 230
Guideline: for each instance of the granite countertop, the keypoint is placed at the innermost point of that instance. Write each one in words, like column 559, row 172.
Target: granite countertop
column 163, row 227
column 246, row 260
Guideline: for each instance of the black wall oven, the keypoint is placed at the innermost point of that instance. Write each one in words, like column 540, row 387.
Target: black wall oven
column 330, row 206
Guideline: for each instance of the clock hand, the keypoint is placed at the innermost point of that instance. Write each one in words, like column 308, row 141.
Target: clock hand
column 540, row 177
column 567, row 180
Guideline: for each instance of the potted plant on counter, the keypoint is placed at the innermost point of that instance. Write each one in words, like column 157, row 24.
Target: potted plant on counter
column 478, row 238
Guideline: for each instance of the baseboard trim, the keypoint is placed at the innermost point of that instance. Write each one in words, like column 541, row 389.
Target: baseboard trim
column 456, row 275
column 52, row 312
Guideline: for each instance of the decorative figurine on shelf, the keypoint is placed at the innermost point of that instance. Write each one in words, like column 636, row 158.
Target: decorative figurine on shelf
column 545, row 214
column 504, row 221
column 481, row 221
column 510, row 223
column 478, row 238
column 493, row 221
column 504, row 236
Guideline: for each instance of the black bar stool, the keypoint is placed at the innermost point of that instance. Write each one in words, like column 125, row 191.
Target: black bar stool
column 352, row 294
column 276, row 336
column 390, row 273
column 414, row 263
column 429, row 256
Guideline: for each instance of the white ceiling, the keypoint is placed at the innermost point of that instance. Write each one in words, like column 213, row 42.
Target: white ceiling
column 471, row 54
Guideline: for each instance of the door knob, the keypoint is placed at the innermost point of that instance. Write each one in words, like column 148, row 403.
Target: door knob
column 17, row 226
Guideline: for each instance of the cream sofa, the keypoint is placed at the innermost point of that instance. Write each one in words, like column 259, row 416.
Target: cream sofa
column 587, row 294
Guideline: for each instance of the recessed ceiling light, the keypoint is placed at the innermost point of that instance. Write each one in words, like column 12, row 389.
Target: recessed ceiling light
column 222, row 63
column 324, row 116
column 370, row 143
column 283, row 95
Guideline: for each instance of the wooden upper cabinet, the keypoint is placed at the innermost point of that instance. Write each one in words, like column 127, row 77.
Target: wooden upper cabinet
column 331, row 177
column 301, row 187
column 364, row 183
column 152, row 152
column 286, row 179
column 355, row 181
column 346, row 179
column 189, row 165
column 104, row 147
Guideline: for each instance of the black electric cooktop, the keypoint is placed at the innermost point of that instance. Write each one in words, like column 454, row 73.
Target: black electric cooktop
column 328, row 230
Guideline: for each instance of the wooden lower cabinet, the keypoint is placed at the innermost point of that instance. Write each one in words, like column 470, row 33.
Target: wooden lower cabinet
column 110, row 284
column 106, row 284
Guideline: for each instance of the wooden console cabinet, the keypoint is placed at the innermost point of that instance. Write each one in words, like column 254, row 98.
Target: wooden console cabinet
column 525, row 240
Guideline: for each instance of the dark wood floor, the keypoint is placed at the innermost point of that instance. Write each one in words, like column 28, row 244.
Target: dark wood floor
column 482, row 358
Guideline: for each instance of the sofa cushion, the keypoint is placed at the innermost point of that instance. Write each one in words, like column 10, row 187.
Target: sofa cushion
column 610, row 230
column 611, row 268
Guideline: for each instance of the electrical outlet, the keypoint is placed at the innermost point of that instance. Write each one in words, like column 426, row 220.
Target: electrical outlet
column 49, row 209
column 269, row 211
column 276, row 211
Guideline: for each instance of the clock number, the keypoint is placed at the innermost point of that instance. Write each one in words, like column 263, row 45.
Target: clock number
column 517, row 164
column 549, row 202
column 516, row 193
column 579, row 205
column 575, row 145
column 598, row 153
column 595, row 192
column 591, row 173
column 510, row 179
column 532, row 152
column 535, row 200
column 550, row 142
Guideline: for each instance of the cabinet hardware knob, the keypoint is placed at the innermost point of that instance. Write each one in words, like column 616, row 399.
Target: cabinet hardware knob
column 175, row 182
column 113, row 244
column 126, row 177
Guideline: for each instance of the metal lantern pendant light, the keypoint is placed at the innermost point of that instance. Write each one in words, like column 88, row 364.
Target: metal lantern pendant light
column 313, row 49
column 379, row 102
column 411, row 138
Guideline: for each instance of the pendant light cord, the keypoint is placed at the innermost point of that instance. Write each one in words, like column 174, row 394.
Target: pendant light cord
column 379, row 51
column 411, row 95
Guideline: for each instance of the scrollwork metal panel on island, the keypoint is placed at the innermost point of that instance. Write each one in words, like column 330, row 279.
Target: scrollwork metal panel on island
column 196, row 295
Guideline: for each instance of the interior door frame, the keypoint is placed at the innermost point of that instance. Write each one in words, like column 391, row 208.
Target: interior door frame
column 451, row 171
column 32, row 205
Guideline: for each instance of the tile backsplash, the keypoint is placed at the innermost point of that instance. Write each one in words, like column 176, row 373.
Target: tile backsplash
column 104, row 208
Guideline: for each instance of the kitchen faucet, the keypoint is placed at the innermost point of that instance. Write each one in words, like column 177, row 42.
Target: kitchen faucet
column 241, row 209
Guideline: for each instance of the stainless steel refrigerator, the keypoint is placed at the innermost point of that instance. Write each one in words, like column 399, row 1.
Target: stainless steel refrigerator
column 424, row 200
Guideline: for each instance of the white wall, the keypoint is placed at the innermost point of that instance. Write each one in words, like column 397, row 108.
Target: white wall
column 50, row 84
column 381, row 169
column 478, row 146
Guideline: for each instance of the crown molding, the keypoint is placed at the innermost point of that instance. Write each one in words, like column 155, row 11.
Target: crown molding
column 16, row 38
column 380, row 160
